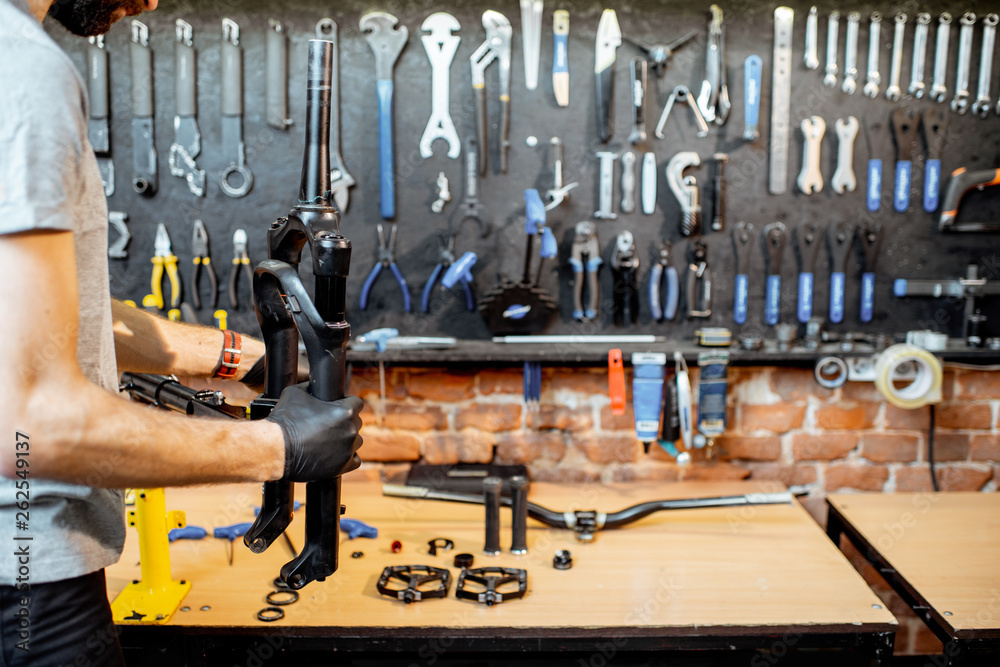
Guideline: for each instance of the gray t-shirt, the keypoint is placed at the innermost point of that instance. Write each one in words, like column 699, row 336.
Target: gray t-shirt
column 49, row 180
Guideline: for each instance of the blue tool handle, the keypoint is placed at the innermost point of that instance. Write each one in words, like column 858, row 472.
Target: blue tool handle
column 231, row 532
column 534, row 211
column 369, row 281
column 805, row 304
column 186, row 533
column 932, row 185
column 772, row 300
column 387, row 177
column 899, row 287
column 425, row 298
column 673, row 294
column 753, row 68
column 867, row 296
column 874, row 185
column 742, row 292
column 460, row 270
column 653, row 292
column 837, row 280
column 550, row 247
column 470, row 300
column 901, row 197
column 355, row 528
column 404, row 288
column 560, row 59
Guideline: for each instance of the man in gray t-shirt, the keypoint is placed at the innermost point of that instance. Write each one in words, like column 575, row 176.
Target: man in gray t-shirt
column 70, row 442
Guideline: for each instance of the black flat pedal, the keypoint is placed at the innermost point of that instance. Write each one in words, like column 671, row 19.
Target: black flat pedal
column 492, row 585
column 413, row 583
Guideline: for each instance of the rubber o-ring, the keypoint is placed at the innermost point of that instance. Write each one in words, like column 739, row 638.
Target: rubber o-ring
column 270, row 614
column 281, row 602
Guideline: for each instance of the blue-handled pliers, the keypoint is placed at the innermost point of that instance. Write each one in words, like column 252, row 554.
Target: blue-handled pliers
column 446, row 257
column 386, row 258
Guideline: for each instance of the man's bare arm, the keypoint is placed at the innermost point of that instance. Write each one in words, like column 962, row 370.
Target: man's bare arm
column 81, row 433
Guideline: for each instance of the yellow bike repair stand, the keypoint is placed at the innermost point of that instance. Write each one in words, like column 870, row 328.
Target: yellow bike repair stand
column 154, row 598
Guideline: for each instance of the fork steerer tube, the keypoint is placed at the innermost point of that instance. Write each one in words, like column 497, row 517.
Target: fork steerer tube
column 286, row 313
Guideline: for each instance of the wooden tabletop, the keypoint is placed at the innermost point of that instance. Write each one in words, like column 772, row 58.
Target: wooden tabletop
column 944, row 546
column 691, row 572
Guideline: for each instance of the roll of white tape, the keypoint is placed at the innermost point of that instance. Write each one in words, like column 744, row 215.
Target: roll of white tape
column 924, row 389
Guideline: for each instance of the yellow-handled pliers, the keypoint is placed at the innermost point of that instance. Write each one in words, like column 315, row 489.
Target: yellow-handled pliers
column 164, row 259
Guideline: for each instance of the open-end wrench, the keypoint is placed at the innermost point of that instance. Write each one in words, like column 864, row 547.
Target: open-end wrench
column 905, row 125
column 606, row 186
column 681, row 95
column 100, row 109
column 811, row 177
column 340, row 180
column 933, row 122
column 743, row 244
column 939, row 87
column 960, row 103
column 685, row 189
column 874, row 45
column 187, row 138
column 774, row 243
column 440, row 45
column 628, row 182
column 832, row 30
column 843, row 179
column 496, row 47
column 470, row 206
column 893, row 91
column 917, row 86
column 984, row 103
column 387, row 39
column 753, row 72
column 839, row 236
column 232, row 114
column 807, row 237
column 145, row 174
column 851, row 53
column 637, row 68
column 871, row 239
column 811, row 55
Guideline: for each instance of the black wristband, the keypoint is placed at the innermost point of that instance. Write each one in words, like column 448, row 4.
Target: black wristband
column 255, row 376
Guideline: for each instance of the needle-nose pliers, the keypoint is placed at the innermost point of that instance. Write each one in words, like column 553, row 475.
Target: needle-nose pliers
column 386, row 259
column 199, row 246
column 446, row 257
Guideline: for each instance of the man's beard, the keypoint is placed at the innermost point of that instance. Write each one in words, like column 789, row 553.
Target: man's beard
column 87, row 18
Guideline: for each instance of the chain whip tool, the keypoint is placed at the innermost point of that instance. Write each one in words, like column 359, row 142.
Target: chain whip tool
column 844, row 179
column 440, row 46
column 781, row 100
column 893, row 92
column 960, row 103
column 984, row 104
column 811, row 177
column 232, row 114
column 917, row 86
column 832, row 30
column 145, row 176
column 874, row 79
column 939, row 87
column 851, row 54
column 811, row 56
column 187, row 138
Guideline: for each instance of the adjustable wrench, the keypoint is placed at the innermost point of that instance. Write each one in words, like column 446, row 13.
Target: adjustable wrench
column 637, row 68
column 606, row 186
column 685, row 189
column 774, row 243
column 682, row 95
column 874, row 38
column 871, row 239
column 811, row 177
column 939, row 88
column 832, row 30
column 917, row 86
column 839, row 237
column 960, row 103
column 100, row 108
column 893, row 92
column 559, row 192
column 496, row 47
column 843, row 179
column 851, row 54
column 743, row 243
column 340, row 180
column 806, row 248
column 628, row 182
column 187, row 138
column 933, row 122
column 984, row 104
column 232, row 113
column 811, row 55
column 440, row 46
column 145, row 178
column 904, row 131
column 387, row 40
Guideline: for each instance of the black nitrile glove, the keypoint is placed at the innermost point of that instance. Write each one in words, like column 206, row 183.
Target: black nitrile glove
column 321, row 438
column 255, row 376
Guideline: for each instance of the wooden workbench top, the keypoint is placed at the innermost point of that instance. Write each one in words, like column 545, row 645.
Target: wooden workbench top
column 945, row 546
column 689, row 572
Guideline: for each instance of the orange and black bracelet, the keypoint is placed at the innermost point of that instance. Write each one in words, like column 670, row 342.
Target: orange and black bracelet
column 232, row 351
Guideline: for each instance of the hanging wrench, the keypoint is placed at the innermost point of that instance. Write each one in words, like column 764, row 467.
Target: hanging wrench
column 960, row 103
column 917, row 86
column 100, row 109
column 232, row 113
column 340, row 180
column 811, row 56
column 851, row 54
column 440, row 45
column 874, row 39
column 893, row 92
column 832, row 30
column 983, row 104
column 145, row 179
column 843, row 179
column 387, row 40
column 187, row 138
column 939, row 88
column 811, row 177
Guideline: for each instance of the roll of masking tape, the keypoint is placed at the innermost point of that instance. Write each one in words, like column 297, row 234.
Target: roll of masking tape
column 923, row 390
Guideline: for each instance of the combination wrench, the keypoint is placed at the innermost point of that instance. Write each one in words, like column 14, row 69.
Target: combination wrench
column 340, row 179
column 811, row 177
column 232, row 114
column 874, row 38
column 844, row 179
column 440, row 46
column 893, row 91
column 832, row 35
column 984, row 104
column 917, row 86
column 939, row 87
column 851, row 53
column 960, row 103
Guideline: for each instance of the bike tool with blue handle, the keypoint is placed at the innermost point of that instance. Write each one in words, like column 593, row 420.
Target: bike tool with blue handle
column 934, row 122
column 648, row 373
column 753, row 70
column 743, row 243
column 664, row 285
column 774, row 243
column 871, row 239
column 446, row 260
column 534, row 225
column 873, row 187
column 905, row 123
column 840, row 238
column 807, row 241
column 386, row 259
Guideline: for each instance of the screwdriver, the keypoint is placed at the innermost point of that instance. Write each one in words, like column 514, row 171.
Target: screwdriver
column 231, row 533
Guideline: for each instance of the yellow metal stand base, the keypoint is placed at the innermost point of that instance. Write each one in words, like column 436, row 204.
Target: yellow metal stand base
column 138, row 603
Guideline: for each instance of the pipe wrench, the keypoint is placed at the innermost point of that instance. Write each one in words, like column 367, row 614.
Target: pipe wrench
column 98, row 131
column 440, row 45
column 774, row 243
column 340, row 180
column 145, row 177
column 496, row 47
column 387, row 39
column 232, row 114
column 187, row 138
column 609, row 38
column 743, row 242
column 807, row 237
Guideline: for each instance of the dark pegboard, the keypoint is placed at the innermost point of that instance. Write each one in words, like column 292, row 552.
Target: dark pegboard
column 912, row 248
